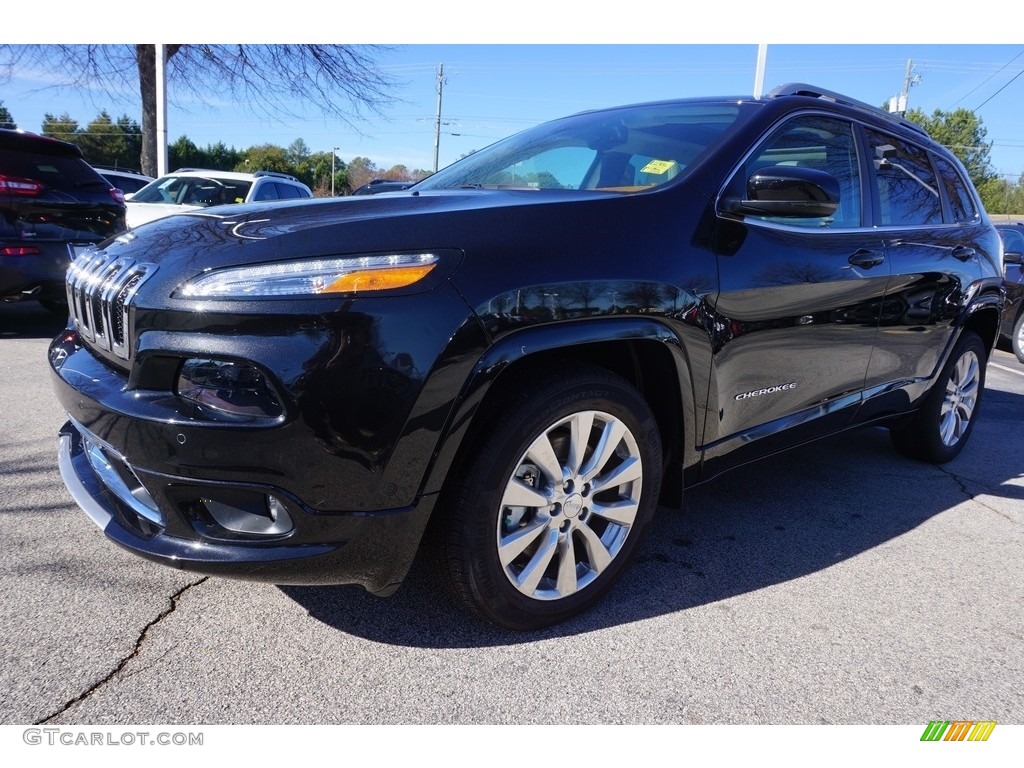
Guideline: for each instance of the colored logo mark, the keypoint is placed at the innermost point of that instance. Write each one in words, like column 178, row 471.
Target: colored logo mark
column 958, row 730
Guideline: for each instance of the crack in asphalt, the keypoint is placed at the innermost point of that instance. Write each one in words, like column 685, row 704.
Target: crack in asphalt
column 175, row 599
column 974, row 496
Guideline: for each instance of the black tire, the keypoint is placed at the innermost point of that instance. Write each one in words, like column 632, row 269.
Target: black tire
column 489, row 550
column 1017, row 339
column 941, row 427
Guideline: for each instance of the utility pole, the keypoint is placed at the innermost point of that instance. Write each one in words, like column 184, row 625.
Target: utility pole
column 437, row 122
column 900, row 103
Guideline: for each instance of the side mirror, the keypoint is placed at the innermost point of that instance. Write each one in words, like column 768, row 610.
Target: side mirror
column 788, row 191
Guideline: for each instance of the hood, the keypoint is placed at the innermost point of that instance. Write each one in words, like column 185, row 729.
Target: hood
column 204, row 238
column 494, row 228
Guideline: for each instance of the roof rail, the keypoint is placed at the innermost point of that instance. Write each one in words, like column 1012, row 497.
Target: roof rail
column 813, row 91
column 116, row 168
column 276, row 175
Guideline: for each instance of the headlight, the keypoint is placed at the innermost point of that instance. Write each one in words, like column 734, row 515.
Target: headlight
column 312, row 277
column 237, row 389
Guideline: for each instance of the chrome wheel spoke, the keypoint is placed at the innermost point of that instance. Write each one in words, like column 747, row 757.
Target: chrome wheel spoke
column 533, row 572
column 579, row 439
column 520, row 494
column 597, row 552
column 567, row 567
column 629, row 470
column 606, row 445
column 621, row 512
column 543, row 456
column 516, row 543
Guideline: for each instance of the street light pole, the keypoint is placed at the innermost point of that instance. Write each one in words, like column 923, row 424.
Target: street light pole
column 437, row 123
column 333, row 150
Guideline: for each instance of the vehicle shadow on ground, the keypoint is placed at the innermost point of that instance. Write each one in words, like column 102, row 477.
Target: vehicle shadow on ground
column 28, row 320
column 786, row 517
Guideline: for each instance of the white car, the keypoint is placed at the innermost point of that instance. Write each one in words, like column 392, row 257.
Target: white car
column 189, row 189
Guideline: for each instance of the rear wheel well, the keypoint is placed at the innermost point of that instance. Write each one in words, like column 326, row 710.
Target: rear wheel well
column 985, row 323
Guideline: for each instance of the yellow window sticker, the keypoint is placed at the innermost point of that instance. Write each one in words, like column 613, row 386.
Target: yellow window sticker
column 658, row 167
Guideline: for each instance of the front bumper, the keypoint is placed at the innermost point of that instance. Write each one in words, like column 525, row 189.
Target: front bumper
column 371, row 549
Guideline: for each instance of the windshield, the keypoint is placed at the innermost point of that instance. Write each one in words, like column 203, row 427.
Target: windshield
column 193, row 190
column 631, row 149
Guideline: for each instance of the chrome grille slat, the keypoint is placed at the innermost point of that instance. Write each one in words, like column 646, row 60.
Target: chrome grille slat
column 100, row 290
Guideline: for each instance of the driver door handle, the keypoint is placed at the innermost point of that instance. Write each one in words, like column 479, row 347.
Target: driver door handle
column 866, row 259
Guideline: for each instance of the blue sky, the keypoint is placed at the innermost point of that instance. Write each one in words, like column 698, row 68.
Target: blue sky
column 497, row 87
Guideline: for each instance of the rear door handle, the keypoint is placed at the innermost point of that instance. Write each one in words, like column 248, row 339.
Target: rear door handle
column 866, row 259
column 964, row 253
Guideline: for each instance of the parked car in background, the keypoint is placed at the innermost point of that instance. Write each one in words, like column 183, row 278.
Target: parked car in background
column 377, row 186
column 128, row 181
column 52, row 205
column 189, row 189
column 517, row 360
column 1011, row 329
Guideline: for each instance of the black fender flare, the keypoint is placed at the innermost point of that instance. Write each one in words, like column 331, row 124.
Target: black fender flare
column 522, row 344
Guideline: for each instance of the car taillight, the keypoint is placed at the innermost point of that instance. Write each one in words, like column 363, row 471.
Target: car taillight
column 14, row 185
column 117, row 194
column 18, row 250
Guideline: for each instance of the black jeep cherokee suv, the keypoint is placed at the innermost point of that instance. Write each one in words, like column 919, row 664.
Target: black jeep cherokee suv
column 527, row 351
column 52, row 204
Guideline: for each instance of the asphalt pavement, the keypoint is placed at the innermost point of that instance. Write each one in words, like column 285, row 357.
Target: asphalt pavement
column 840, row 583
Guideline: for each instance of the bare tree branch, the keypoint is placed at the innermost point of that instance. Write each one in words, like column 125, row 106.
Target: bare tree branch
column 340, row 81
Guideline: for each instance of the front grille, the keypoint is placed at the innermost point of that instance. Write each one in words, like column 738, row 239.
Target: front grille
column 100, row 291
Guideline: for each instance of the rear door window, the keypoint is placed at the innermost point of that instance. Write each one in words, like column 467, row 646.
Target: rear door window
column 908, row 191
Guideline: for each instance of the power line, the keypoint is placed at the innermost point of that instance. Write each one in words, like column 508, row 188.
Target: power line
column 986, row 101
column 989, row 78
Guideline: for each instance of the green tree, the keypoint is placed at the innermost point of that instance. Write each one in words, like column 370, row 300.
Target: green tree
column 361, row 170
column 962, row 132
column 6, row 121
column 63, row 127
column 183, row 153
column 132, row 132
column 220, row 157
column 105, row 142
column 298, row 153
column 265, row 157
column 315, row 172
column 1001, row 195
column 339, row 80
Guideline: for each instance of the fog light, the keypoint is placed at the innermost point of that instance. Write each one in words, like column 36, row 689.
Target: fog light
column 270, row 520
column 231, row 388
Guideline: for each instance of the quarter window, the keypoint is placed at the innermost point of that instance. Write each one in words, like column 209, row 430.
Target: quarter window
column 960, row 201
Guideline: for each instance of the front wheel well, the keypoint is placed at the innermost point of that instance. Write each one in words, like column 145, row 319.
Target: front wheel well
column 648, row 365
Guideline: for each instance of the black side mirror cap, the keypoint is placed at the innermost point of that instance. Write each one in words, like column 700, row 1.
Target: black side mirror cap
column 788, row 191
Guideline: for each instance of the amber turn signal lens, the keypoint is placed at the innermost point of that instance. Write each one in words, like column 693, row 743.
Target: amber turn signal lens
column 379, row 279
